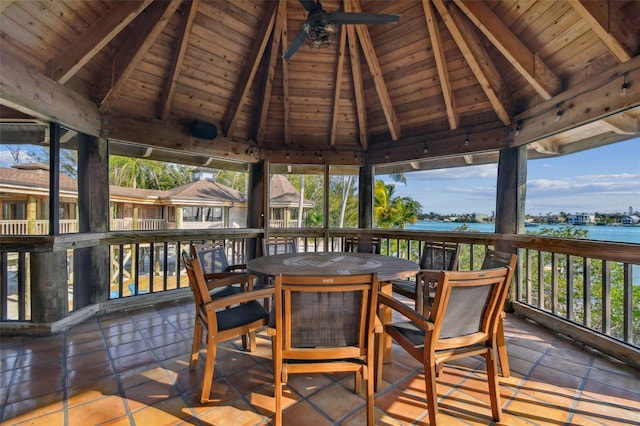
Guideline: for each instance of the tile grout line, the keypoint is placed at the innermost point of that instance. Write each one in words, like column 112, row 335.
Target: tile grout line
column 13, row 376
column 121, row 392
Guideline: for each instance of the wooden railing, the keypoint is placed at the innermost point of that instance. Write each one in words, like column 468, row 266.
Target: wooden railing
column 581, row 288
column 21, row 227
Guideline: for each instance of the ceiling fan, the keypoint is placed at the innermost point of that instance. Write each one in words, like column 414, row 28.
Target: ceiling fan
column 320, row 27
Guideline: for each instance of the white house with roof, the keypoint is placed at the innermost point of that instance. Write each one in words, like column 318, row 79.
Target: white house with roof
column 581, row 219
column 200, row 204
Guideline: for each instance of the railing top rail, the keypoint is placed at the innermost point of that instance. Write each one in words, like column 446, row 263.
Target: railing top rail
column 621, row 252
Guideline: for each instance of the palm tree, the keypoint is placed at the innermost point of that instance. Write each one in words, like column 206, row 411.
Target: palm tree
column 390, row 211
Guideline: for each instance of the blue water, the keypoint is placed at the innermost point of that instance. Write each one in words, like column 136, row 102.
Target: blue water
column 619, row 234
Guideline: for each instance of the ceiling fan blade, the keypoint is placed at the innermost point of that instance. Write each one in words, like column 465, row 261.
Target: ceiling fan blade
column 362, row 18
column 309, row 5
column 302, row 35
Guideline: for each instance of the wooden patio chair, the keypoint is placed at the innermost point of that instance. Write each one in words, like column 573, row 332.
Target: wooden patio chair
column 215, row 265
column 362, row 245
column 325, row 324
column 496, row 259
column 279, row 245
column 223, row 318
column 436, row 256
column 463, row 322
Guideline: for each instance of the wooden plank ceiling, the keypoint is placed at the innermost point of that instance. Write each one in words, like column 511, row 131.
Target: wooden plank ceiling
column 450, row 84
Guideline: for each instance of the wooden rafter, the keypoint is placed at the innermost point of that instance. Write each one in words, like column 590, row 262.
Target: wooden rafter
column 528, row 64
column 96, row 37
column 178, row 60
column 153, row 22
column 338, row 86
column 4, row 4
column 441, row 65
column 281, row 16
column 242, row 93
column 608, row 25
column 478, row 60
column 376, row 72
column 285, row 86
column 358, row 86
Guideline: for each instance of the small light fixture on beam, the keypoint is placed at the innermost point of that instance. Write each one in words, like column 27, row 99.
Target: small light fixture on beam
column 518, row 127
column 387, row 155
column 625, row 86
column 559, row 112
column 355, row 156
column 466, row 141
column 426, row 149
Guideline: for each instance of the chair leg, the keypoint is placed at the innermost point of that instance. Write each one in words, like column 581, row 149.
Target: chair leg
column 277, row 390
column 379, row 361
column 249, row 341
column 209, row 366
column 432, row 395
column 494, row 387
column 502, row 350
column 195, row 346
column 370, row 395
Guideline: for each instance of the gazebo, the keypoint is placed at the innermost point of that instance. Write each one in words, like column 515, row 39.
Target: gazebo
column 374, row 87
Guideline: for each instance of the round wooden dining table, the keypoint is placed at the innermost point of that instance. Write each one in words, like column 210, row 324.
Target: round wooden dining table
column 388, row 268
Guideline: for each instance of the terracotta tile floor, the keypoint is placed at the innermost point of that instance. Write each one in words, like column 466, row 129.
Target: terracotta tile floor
column 131, row 368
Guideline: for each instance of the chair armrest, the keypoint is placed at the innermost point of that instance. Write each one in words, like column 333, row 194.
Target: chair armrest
column 222, row 279
column 429, row 275
column 378, row 328
column 417, row 319
column 238, row 267
column 236, row 299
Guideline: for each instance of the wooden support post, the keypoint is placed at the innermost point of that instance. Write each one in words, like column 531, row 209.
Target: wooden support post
column 365, row 197
column 91, row 265
column 510, row 198
column 256, row 204
column 49, row 284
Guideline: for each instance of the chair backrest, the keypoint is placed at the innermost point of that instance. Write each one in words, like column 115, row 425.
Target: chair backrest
column 467, row 306
column 212, row 257
column 440, row 256
column 196, row 280
column 362, row 245
column 325, row 317
column 496, row 259
column 279, row 245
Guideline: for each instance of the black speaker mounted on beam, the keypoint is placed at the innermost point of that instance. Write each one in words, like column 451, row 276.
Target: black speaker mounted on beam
column 203, row 130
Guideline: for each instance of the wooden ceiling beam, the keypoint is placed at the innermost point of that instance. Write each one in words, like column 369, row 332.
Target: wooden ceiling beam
column 338, row 87
column 596, row 99
column 528, row 64
column 253, row 63
column 274, row 53
column 609, row 26
column 622, row 124
column 376, row 72
column 441, row 65
column 148, row 29
column 172, row 137
column 26, row 90
column 358, row 86
column 478, row 60
column 94, row 39
column 178, row 59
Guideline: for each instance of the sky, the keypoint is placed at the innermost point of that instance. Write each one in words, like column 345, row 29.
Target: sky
column 605, row 180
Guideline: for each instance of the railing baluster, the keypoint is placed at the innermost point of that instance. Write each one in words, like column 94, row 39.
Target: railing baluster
column 570, row 288
column 541, row 289
column 606, row 297
column 628, row 304
column 586, row 291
